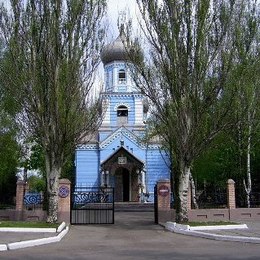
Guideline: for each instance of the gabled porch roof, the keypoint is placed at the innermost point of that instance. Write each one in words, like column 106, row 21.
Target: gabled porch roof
column 122, row 156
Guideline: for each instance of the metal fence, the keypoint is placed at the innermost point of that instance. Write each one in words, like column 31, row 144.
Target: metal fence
column 212, row 198
column 92, row 205
column 33, row 200
column 241, row 199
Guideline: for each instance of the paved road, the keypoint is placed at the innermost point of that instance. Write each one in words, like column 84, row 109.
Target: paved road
column 134, row 236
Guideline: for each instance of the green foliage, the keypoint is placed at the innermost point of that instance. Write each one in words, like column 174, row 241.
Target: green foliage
column 28, row 224
column 218, row 163
column 9, row 148
column 37, row 183
column 8, row 164
column 9, row 154
column 222, row 160
column 36, row 160
column 68, row 170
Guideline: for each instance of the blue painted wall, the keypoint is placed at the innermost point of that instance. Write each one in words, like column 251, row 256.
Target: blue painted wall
column 87, row 168
column 157, row 167
column 87, row 165
column 103, row 135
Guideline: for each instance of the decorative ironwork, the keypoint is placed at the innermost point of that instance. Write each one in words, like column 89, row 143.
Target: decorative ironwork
column 64, row 191
column 32, row 198
column 92, row 205
column 91, row 197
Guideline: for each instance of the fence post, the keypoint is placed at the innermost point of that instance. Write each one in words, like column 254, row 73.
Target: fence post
column 20, row 185
column 231, row 195
column 64, row 200
column 164, row 201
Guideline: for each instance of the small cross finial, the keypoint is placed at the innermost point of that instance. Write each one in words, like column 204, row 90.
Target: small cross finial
column 121, row 22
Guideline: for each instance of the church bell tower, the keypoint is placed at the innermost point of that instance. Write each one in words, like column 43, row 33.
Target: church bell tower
column 123, row 104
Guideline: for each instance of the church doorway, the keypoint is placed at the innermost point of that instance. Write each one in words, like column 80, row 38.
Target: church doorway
column 123, row 171
column 122, row 185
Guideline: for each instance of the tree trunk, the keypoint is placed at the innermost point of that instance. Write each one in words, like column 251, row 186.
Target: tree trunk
column 247, row 183
column 193, row 192
column 53, row 174
column 183, row 185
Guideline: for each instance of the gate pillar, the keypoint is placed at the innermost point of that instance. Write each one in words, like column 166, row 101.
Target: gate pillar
column 163, row 201
column 64, row 200
column 20, row 186
column 231, row 198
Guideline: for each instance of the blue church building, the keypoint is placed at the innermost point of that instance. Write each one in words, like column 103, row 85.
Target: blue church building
column 117, row 156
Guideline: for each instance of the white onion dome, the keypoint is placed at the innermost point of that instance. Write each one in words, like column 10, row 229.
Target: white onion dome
column 114, row 51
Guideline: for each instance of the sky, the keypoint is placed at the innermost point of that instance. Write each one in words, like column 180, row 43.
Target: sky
column 114, row 8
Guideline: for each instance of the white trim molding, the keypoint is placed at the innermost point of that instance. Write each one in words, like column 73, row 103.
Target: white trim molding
column 122, row 104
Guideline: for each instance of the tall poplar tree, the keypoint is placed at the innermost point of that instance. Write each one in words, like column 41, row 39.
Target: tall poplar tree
column 52, row 53
column 248, row 42
column 188, row 76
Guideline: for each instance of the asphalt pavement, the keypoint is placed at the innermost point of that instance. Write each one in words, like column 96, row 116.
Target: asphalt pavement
column 134, row 236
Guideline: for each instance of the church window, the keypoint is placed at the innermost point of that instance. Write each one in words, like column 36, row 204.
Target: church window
column 121, row 76
column 122, row 115
column 122, row 111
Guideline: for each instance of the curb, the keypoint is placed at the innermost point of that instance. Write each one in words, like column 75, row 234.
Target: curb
column 37, row 242
column 31, row 230
column 176, row 229
column 216, row 227
column 37, row 230
column 3, row 247
column 61, row 227
column 62, row 230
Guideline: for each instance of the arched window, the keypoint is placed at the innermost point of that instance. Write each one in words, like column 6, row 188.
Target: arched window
column 122, row 115
column 122, row 111
column 121, row 76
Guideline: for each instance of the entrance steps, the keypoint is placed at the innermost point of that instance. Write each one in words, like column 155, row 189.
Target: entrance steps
column 133, row 207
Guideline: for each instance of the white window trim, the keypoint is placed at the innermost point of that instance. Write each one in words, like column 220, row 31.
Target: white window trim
column 122, row 104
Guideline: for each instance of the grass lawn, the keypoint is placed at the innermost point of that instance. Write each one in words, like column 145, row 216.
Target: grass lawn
column 27, row 224
column 210, row 223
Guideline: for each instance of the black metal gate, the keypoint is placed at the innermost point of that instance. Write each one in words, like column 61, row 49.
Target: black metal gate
column 92, row 205
column 155, row 205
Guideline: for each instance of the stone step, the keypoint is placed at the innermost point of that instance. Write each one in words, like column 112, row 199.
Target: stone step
column 133, row 206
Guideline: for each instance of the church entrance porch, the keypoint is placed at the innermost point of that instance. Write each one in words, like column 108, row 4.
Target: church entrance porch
column 122, row 185
column 125, row 185
column 124, row 172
